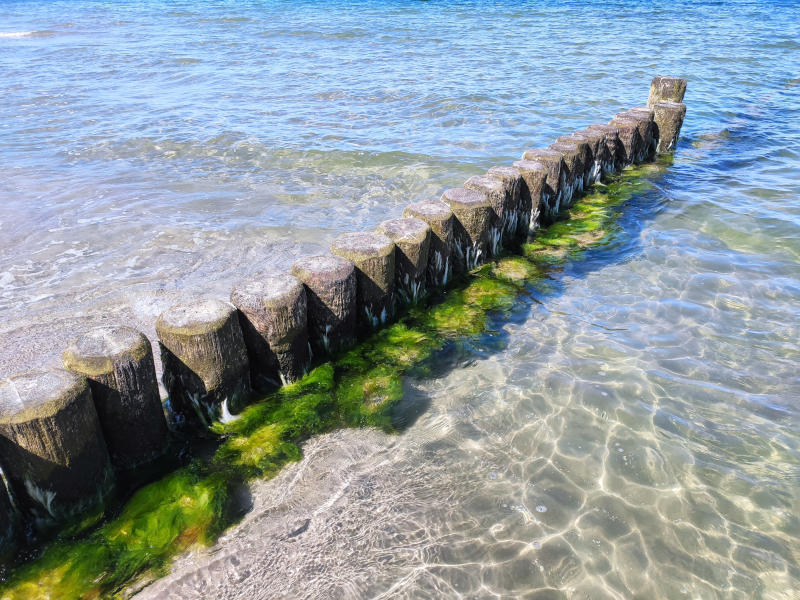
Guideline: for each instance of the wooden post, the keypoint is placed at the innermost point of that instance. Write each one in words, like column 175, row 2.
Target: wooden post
column 330, row 283
column 441, row 220
column 273, row 318
column 373, row 256
column 556, row 180
column 473, row 226
column 118, row 362
column 204, row 359
column 412, row 240
column 51, row 445
column 669, row 120
column 666, row 89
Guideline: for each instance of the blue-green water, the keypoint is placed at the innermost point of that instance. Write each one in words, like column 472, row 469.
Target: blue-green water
column 633, row 434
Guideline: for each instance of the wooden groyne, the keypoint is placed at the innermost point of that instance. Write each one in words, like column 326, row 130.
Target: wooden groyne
column 66, row 435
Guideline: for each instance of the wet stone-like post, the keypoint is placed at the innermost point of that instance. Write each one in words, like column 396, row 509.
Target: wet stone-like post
column 614, row 147
column 440, row 219
column 504, row 214
column 600, row 160
column 273, row 318
column 412, row 240
column 559, row 190
column 204, row 359
column 666, row 89
column 630, row 139
column 669, row 120
column 51, row 445
column 330, row 284
column 578, row 158
column 535, row 195
column 373, row 256
column 518, row 209
column 647, row 130
column 118, row 362
column 474, row 221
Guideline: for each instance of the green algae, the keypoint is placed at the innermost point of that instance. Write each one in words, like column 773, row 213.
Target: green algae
column 188, row 508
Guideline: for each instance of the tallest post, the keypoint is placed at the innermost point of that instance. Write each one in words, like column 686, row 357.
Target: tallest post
column 666, row 102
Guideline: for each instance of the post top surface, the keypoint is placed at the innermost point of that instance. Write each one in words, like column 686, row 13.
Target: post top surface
column 38, row 394
column 194, row 317
column 428, row 209
column 362, row 245
column 406, row 229
column 95, row 351
column 463, row 198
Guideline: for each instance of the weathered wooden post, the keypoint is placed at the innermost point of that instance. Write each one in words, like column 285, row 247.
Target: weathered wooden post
column 518, row 208
column 273, row 318
column 577, row 158
column 616, row 151
column 504, row 214
column 441, row 220
column 118, row 362
column 558, row 186
column 330, row 283
column 51, row 445
column 629, row 137
column 666, row 89
column 647, row 130
column 473, row 227
column 536, row 197
column 599, row 159
column 204, row 359
column 373, row 256
column 412, row 240
column 669, row 120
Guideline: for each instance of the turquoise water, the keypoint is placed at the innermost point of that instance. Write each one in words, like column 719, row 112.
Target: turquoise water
column 633, row 433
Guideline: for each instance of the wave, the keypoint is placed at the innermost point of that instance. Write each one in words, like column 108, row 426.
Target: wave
column 25, row 34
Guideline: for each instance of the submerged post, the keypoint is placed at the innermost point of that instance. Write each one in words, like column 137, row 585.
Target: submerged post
column 440, row 219
column 51, row 445
column 118, row 362
column 504, row 214
column 206, row 371
column 373, row 256
column 330, row 283
column 412, row 240
column 273, row 318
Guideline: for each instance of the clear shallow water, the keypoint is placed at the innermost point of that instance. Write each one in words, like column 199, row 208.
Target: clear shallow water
column 631, row 433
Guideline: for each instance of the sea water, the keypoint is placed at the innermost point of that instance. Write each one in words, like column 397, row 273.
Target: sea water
column 633, row 432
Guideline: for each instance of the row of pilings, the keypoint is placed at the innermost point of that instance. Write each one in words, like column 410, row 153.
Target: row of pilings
column 67, row 434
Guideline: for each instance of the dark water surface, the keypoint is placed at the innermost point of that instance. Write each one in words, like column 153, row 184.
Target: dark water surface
column 634, row 434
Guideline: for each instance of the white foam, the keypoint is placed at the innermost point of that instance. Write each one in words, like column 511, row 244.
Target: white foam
column 16, row 34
